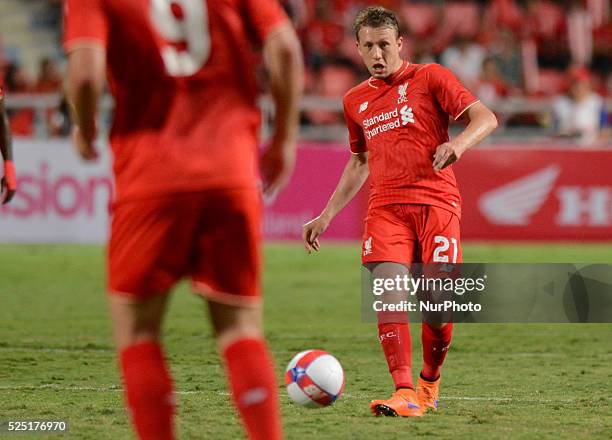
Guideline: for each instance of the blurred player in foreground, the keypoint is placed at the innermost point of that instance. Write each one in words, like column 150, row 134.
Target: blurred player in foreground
column 8, row 183
column 187, row 202
column 398, row 130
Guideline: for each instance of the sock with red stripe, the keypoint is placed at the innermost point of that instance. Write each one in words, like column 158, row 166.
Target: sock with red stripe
column 254, row 388
column 397, row 346
column 148, row 390
column 435, row 346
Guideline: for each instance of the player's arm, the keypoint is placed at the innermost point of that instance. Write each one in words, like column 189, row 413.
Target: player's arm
column 482, row 122
column 457, row 101
column 284, row 63
column 8, row 184
column 353, row 177
column 85, row 85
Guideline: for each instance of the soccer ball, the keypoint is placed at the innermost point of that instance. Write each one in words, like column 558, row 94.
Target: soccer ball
column 314, row 378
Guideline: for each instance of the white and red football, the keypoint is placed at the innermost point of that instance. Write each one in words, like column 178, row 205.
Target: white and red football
column 314, row 378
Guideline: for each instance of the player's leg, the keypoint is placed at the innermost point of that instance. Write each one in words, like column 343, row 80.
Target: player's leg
column 394, row 337
column 227, row 273
column 249, row 368
column 136, row 321
column 439, row 238
column 393, row 329
column 388, row 248
column 147, row 381
column 147, row 253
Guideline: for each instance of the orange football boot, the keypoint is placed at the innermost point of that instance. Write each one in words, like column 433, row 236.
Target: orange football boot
column 404, row 403
column 427, row 393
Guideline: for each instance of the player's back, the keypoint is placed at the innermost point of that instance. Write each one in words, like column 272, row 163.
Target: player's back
column 182, row 75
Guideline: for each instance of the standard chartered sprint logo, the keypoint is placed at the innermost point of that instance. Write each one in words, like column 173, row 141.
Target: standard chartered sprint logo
column 386, row 121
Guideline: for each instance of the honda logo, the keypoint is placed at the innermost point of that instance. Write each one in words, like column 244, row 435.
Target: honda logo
column 515, row 202
column 590, row 206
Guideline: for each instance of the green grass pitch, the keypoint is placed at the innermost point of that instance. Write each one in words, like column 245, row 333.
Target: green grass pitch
column 499, row 381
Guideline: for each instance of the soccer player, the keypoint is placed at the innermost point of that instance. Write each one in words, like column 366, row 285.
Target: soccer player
column 187, row 201
column 8, row 183
column 398, row 134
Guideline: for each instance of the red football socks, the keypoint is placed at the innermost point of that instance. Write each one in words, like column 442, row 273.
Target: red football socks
column 435, row 346
column 254, row 388
column 397, row 346
column 148, row 390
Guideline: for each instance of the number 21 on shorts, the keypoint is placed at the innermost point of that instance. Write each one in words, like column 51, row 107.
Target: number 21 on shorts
column 442, row 246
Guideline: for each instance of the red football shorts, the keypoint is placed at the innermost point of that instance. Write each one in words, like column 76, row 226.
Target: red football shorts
column 404, row 233
column 211, row 236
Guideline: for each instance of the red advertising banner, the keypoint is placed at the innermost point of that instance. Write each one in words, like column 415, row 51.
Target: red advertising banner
column 528, row 194
column 509, row 193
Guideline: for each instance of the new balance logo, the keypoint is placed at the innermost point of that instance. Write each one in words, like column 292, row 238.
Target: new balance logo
column 402, row 93
column 514, row 203
column 407, row 115
column 367, row 247
column 363, row 107
column 253, row 396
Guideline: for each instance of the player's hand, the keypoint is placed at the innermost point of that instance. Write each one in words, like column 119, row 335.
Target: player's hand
column 85, row 148
column 277, row 165
column 446, row 154
column 6, row 194
column 311, row 232
column 8, row 183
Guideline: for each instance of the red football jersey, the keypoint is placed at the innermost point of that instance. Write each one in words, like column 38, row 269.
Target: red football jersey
column 182, row 75
column 400, row 121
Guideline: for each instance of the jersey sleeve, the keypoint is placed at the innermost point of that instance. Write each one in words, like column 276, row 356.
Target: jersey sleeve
column 264, row 17
column 357, row 141
column 85, row 22
column 452, row 96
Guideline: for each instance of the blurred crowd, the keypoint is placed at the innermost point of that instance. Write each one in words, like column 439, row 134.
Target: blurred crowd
column 488, row 41
column 498, row 48
column 48, row 81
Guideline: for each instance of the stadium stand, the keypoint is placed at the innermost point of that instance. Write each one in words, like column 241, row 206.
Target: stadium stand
column 520, row 54
column 30, row 31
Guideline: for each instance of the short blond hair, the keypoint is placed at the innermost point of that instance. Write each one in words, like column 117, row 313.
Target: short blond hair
column 375, row 16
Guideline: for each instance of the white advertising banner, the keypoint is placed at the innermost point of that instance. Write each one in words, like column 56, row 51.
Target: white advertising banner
column 60, row 198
